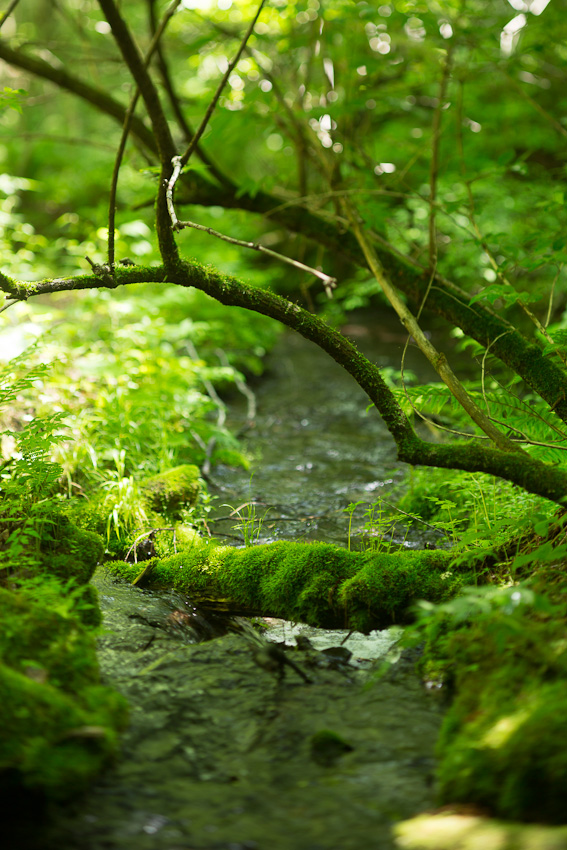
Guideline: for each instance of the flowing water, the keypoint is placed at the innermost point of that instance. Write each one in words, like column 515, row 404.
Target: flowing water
column 222, row 754
column 318, row 447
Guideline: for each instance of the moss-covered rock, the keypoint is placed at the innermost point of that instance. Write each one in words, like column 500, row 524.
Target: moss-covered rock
column 172, row 490
column 503, row 744
column 69, row 551
column 58, row 725
column 316, row 583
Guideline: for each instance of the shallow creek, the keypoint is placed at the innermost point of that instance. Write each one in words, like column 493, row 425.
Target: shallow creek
column 220, row 753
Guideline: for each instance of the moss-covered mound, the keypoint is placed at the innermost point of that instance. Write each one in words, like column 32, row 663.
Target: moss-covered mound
column 169, row 491
column 58, row 725
column 503, row 743
column 69, row 551
column 316, row 583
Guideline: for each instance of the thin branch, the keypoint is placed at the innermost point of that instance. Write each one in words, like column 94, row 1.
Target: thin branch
column 434, row 166
column 126, row 129
column 8, row 12
column 162, row 132
column 9, row 304
column 437, row 359
column 177, row 166
column 329, row 282
column 551, row 295
column 211, row 107
column 176, row 106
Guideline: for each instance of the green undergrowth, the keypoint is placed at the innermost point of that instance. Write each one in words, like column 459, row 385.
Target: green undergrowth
column 58, row 725
column 316, row 583
column 126, row 512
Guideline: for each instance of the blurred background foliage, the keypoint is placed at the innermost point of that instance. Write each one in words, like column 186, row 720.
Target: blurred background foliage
column 360, row 82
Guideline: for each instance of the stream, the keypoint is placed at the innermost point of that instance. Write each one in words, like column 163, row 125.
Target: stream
column 317, row 446
column 220, row 753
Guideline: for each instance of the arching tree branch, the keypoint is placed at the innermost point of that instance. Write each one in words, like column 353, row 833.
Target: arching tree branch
column 528, row 473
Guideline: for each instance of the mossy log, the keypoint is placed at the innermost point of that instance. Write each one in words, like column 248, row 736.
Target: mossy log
column 315, row 583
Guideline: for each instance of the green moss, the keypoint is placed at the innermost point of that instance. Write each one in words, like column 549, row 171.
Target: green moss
column 172, row 490
column 386, row 586
column 503, row 743
column 71, row 552
column 58, row 725
column 95, row 515
column 316, row 583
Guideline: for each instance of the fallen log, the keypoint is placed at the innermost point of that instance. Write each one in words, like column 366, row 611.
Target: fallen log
column 315, row 583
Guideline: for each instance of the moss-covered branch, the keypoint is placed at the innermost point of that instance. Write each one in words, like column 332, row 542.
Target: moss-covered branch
column 528, row 473
column 315, row 583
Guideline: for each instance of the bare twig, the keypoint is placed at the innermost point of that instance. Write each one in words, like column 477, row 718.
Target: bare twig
column 329, row 282
column 177, row 166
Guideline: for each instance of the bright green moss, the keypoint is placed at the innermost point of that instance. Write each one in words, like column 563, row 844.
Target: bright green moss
column 503, row 743
column 173, row 489
column 316, row 583
column 71, row 552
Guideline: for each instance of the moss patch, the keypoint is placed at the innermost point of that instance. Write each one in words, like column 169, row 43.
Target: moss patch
column 317, row 583
column 58, row 725
column 172, row 490
column 70, row 551
column 503, row 744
